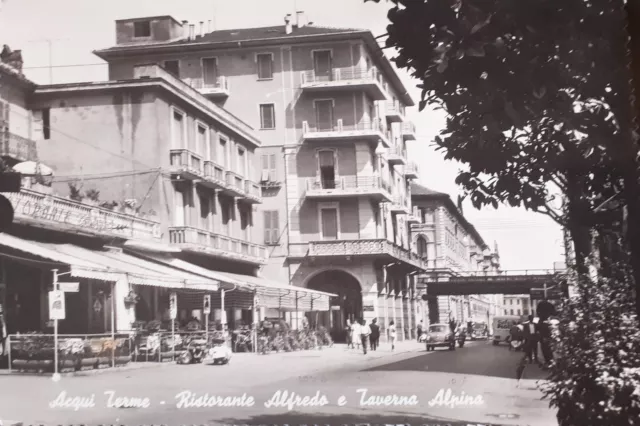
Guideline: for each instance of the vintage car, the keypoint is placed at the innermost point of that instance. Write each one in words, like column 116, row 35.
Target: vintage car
column 440, row 335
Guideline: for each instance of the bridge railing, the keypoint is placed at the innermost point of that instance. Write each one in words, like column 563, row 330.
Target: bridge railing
column 511, row 272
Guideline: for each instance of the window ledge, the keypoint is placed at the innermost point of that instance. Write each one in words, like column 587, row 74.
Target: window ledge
column 266, row 79
column 267, row 128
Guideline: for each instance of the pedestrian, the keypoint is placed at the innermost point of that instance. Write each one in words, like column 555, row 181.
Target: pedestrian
column 531, row 337
column 391, row 331
column 3, row 333
column 545, row 342
column 355, row 334
column 419, row 330
column 374, row 337
column 365, row 332
column 348, row 336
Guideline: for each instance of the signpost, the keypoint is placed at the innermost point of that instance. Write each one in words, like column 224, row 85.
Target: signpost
column 173, row 313
column 206, row 309
column 57, row 312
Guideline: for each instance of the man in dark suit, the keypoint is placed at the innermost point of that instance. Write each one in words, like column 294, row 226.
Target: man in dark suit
column 374, row 337
column 531, row 339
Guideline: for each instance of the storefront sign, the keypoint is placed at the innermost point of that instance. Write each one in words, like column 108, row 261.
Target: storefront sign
column 173, row 306
column 69, row 287
column 53, row 210
column 206, row 308
column 368, row 308
column 56, row 305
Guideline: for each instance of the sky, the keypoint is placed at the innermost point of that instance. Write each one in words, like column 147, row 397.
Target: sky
column 63, row 33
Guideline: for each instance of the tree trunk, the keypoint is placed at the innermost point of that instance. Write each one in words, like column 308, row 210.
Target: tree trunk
column 632, row 190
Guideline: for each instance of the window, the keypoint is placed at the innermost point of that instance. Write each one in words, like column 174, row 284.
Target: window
column 201, row 139
column 511, row 311
column 269, row 173
column 178, row 137
column 329, row 223
column 242, row 158
column 181, row 201
column 205, row 211
column 142, row 29
column 324, row 114
column 267, row 116
column 210, row 72
column 244, row 223
column 46, row 123
column 519, row 312
column 172, row 67
column 4, row 116
column 322, row 65
column 326, row 164
column 271, row 225
column 223, row 152
column 225, row 213
column 265, row 66
column 422, row 247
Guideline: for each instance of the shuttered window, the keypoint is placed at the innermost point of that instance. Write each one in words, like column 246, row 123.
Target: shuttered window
column 265, row 66
column 267, row 116
column 271, row 227
column 268, row 173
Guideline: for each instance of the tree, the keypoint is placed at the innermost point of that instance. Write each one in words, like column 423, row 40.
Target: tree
column 537, row 94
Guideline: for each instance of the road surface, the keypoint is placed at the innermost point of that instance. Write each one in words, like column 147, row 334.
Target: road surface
column 342, row 386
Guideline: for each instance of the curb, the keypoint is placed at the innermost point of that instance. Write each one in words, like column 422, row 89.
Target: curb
column 95, row 372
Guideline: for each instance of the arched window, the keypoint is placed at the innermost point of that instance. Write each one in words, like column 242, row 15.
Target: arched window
column 422, row 247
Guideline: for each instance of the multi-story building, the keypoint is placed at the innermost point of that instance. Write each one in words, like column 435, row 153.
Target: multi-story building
column 451, row 246
column 330, row 110
column 518, row 305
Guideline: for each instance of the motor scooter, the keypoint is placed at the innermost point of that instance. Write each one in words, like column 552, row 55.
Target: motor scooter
column 218, row 353
column 194, row 352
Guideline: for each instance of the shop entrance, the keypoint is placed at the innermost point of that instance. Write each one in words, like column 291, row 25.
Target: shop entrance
column 347, row 306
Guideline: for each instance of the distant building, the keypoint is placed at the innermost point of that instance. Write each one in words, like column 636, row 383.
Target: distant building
column 451, row 246
column 518, row 305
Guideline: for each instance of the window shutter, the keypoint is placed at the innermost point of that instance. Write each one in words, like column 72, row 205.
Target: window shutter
column 275, row 231
column 273, row 175
column 37, row 129
column 267, row 229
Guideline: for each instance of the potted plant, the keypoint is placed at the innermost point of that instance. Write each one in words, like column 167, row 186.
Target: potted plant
column 74, row 192
column 40, row 184
column 109, row 205
column 129, row 206
column 93, row 197
column 131, row 299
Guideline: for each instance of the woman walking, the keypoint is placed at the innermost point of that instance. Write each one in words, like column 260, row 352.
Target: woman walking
column 349, row 339
column 391, row 330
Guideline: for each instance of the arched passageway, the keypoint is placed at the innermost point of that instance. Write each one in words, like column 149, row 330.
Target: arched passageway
column 345, row 307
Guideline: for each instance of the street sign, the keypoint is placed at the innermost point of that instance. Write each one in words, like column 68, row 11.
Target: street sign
column 56, row 305
column 173, row 306
column 206, row 308
column 335, row 308
column 69, row 287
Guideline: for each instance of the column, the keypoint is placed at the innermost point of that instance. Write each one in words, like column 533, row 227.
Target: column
column 400, row 302
column 125, row 315
column 217, row 212
column 294, row 193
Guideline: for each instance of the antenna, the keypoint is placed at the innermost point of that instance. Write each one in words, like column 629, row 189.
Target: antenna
column 49, row 42
column 213, row 5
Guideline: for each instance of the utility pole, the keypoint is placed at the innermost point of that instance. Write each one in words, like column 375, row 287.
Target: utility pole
column 49, row 42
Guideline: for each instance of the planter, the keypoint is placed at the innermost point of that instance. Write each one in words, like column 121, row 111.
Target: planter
column 64, row 365
column 123, row 360
column 88, row 363
column 103, row 362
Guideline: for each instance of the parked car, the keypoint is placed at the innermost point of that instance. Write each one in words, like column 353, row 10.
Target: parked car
column 440, row 335
column 479, row 331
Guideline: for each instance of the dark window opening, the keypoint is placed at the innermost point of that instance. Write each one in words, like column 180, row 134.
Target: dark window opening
column 172, row 67
column 46, row 123
column 327, row 170
column 142, row 29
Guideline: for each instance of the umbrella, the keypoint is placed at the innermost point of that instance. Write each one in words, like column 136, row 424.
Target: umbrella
column 33, row 168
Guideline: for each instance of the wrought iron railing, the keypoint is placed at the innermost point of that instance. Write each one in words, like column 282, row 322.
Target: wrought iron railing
column 342, row 74
column 397, row 151
column 411, row 168
column 376, row 125
column 220, row 84
column 347, row 183
column 408, row 128
column 18, row 147
column 394, row 107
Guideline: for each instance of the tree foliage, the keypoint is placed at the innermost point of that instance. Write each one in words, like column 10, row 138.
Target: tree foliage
column 537, row 92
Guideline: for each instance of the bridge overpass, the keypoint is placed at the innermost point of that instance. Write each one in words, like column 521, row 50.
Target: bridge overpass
column 506, row 282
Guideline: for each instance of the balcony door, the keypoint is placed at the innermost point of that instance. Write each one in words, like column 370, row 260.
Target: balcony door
column 322, row 66
column 204, row 219
column 180, row 211
column 326, row 160
column 324, row 115
column 210, row 72
column 329, row 223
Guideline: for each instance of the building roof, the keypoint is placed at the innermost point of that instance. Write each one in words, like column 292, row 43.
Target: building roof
column 244, row 37
column 424, row 193
column 9, row 70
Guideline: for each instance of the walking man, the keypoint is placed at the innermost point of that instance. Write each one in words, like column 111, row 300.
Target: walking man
column 391, row 330
column 531, row 337
column 365, row 332
column 374, row 337
column 419, row 330
column 355, row 333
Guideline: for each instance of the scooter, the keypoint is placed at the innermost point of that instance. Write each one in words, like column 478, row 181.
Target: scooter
column 219, row 353
column 194, row 352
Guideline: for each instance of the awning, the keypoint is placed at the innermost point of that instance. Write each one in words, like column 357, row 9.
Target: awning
column 271, row 294
column 109, row 265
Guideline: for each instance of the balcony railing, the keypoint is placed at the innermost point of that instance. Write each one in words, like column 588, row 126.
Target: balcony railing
column 348, row 78
column 60, row 213
column 214, row 173
column 411, row 170
column 394, row 111
column 186, row 162
column 349, row 183
column 408, row 130
column 17, row 147
column 218, row 87
column 400, row 203
column 191, row 238
column 396, row 155
column 235, row 182
column 253, row 190
column 373, row 247
column 415, row 216
column 373, row 130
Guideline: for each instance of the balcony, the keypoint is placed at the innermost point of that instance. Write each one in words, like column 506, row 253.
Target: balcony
column 217, row 89
column 351, row 186
column 414, row 216
column 214, row 176
column 377, row 248
column 400, row 205
column 52, row 212
column 210, row 243
column 396, row 155
column 394, row 112
column 347, row 79
column 408, row 131
column 234, row 185
column 253, row 192
column 372, row 131
column 411, row 170
column 18, row 148
column 186, row 164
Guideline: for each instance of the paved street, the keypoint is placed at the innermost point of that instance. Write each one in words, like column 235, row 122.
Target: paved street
column 478, row 369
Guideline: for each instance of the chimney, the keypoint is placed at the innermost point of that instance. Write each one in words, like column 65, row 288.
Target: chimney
column 301, row 19
column 201, row 28
column 287, row 22
column 192, row 31
column 210, row 25
column 185, row 29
